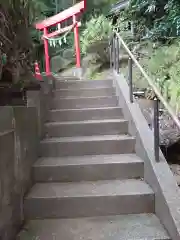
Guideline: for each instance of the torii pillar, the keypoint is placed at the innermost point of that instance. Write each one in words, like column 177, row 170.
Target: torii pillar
column 46, row 52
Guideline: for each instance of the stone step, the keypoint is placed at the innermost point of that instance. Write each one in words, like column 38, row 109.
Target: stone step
column 91, row 145
column 66, row 78
column 83, row 84
column 89, row 92
column 88, row 168
column 90, row 102
column 121, row 227
column 87, row 199
column 85, row 114
column 86, row 128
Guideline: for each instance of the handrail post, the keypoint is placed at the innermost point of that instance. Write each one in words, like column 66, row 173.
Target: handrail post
column 114, row 51
column 156, row 128
column 115, row 41
column 117, row 54
column 130, row 64
column 111, row 52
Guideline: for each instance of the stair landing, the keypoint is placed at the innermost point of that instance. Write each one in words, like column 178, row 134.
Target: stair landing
column 122, row 227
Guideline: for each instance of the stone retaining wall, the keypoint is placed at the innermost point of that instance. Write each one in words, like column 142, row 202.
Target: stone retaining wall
column 20, row 133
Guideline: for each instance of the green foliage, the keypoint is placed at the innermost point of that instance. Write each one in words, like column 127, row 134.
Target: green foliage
column 164, row 67
column 162, row 18
column 95, row 7
column 19, row 40
column 15, row 41
column 97, row 29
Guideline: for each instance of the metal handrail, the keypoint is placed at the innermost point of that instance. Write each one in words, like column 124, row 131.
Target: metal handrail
column 153, row 86
column 114, row 59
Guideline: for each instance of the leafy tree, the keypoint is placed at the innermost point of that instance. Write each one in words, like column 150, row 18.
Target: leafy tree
column 161, row 17
column 97, row 29
column 20, row 43
column 15, row 41
column 95, row 8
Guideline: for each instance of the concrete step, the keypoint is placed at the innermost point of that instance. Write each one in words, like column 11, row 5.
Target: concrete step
column 86, row 128
column 83, row 84
column 90, row 102
column 121, row 227
column 86, row 199
column 91, row 145
column 85, row 114
column 66, row 78
column 88, row 168
column 89, row 92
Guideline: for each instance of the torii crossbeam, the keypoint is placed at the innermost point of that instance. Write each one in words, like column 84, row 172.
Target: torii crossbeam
column 71, row 12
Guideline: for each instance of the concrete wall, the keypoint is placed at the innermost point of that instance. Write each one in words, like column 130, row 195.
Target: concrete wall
column 20, row 132
column 41, row 101
column 18, row 151
column 157, row 174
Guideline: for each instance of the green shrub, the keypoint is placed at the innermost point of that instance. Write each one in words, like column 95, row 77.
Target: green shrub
column 97, row 29
column 164, row 67
column 162, row 18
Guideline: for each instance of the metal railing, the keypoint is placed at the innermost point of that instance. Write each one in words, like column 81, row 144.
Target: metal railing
column 115, row 42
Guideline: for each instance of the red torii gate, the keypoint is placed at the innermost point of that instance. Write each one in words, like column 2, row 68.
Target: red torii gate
column 71, row 12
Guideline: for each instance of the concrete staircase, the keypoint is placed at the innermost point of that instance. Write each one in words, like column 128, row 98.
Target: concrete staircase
column 89, row 181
